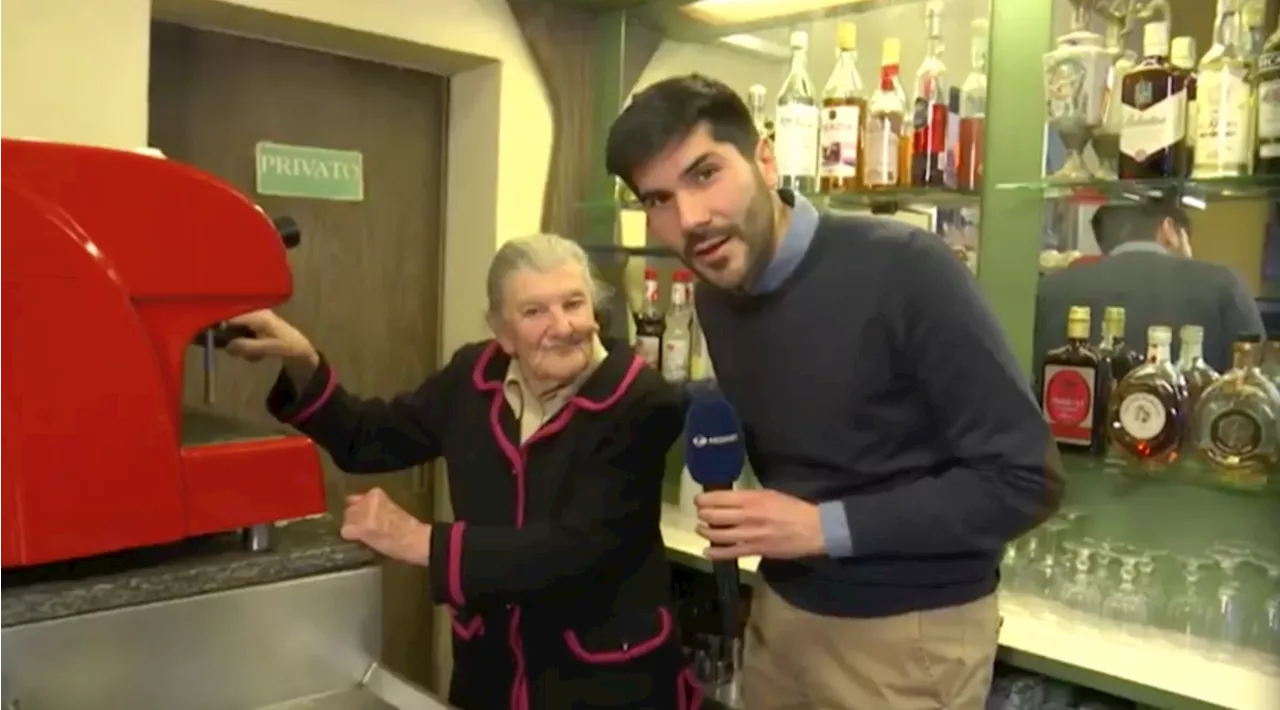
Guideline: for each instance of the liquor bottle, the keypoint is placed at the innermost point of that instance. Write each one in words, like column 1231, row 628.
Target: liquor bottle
column 843, row 111
column 1238, row 418
column 1224, row 108
column 929, row 117
column 1253, row 32
column 1121, row 359
column 973, row 110
column 1269, row 107
column 1070, row 383
column 650, row 324
column 677, row 340
column 1271, row 361
column 757, row 96
column 1147, row 409
column 1198, row 373
column 884, row 143
column 1183, row 58
column 1153, row 136
column 796, row 129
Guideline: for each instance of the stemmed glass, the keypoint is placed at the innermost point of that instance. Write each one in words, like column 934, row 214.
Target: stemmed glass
column 1269, row 621
column 1045, row 569
column 1078, row 593
column 1150, row 585
column 1127, row 604
column 1186, row 611
column 1229, row 626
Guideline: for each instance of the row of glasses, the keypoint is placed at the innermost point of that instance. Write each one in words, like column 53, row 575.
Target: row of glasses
column 1060, row 574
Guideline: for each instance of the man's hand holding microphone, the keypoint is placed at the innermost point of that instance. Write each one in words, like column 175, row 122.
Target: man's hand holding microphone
column 371, row 518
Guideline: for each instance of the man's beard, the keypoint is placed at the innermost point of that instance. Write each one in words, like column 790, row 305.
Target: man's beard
column 755, row 230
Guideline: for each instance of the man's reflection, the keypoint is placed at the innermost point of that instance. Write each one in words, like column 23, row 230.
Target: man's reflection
column 1147, row 269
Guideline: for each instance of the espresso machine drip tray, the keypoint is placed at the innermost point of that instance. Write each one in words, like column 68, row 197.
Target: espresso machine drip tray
column 201, row 427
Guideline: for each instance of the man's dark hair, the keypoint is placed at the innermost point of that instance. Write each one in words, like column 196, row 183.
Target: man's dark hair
column 670, row 110
column 1114, row 225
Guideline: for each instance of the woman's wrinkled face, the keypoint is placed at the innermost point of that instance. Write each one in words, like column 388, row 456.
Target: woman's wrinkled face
column 548, row 323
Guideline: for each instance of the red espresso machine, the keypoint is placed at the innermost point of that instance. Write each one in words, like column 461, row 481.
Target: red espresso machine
column 114, row 263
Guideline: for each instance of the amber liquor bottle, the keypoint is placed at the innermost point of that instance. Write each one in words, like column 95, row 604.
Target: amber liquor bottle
column 1121, row 359
column 843, row 113
column 1145, row 418
column 1198, row 373
column 1069, row 387
column 1153, row 137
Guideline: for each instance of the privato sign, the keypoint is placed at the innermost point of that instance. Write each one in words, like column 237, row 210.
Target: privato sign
column 312, row 173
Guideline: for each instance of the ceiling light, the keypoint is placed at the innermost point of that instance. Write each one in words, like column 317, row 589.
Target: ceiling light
column 733, row 12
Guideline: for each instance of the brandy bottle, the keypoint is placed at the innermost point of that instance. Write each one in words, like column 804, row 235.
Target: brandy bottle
column 1198, row 373
column 1121, row 359
column 1147, row 409
column 1069, row 387
column 650, row 323
column 886, row 149
column 1153, row 137
column 1236, row 423
column 844, row 109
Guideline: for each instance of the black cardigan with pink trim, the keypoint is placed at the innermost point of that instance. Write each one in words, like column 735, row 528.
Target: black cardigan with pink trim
column 568, row 521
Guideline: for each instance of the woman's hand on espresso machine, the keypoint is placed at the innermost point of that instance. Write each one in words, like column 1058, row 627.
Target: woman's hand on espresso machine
column 273, row 336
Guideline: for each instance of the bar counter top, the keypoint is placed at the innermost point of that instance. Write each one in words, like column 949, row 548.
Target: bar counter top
column 191, row 567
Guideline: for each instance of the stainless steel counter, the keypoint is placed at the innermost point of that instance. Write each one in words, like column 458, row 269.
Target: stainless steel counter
column 310, row 643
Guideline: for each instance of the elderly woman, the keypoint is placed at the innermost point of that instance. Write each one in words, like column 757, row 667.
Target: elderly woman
column 554, row 571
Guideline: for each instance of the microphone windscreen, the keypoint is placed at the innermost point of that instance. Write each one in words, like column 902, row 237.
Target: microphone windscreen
column 714, row 451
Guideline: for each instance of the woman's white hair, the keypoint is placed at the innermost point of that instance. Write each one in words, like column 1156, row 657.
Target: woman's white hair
column 541, row 253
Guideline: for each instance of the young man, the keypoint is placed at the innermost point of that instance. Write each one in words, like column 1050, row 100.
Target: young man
column 1147, row 269
column 898, row 443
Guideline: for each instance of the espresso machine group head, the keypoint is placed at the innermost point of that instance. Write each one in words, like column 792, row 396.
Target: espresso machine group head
column 114, row 263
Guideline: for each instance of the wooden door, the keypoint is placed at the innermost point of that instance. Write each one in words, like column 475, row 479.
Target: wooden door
column 366, row 273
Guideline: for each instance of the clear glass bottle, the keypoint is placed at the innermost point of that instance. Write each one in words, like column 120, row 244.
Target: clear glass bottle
column 1183, row 58
column 1198, row 373
column 929, row 117
column 1271, row 361
column 1153, row 137
column 844, row 106
column 883, row 141
column 1236, row 423
column 1224, row 102
column 973, row 110
column 1268, row 154
column 650, row 322
column 1070, row 384
column 796, row 127
column 677, row 338
column 757, row 98
column 1145, row 418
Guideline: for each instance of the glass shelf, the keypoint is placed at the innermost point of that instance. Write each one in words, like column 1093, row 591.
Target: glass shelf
column 1106, row 191
column 617, row 250
column 899, row 197
column 1187, row 471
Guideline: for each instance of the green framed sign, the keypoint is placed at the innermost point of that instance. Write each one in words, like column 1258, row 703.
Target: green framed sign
column 307, row 172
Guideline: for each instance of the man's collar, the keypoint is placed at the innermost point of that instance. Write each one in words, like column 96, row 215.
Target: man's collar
column 794, row 245
column 1138, row 247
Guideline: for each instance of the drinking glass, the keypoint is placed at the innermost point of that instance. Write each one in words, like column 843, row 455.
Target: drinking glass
column 1268, row 632
column 1078, row 593
column 1229, row 626
column 1127, row 605
column 1149, row 583
column 1186, row 613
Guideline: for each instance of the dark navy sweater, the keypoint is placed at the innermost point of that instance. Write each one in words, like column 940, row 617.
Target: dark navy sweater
column 876, row 375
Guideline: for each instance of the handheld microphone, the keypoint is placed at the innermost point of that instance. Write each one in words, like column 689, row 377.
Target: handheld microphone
column 714, row 453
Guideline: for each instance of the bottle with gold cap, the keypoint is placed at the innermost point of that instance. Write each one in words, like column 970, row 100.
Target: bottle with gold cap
column 844, row 108
column 1070, row 383
column 886, row 146
column 1121, row 359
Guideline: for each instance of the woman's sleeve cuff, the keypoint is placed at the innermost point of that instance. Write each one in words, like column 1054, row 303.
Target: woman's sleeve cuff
column 447, row 546
column 290, row 406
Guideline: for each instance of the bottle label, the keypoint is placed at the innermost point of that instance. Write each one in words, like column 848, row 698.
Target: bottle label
column 1235, row 433
column 1153, row 127
column 796, row 140
column 1068, row 402
column 675, row 359
column 840, row 141
column 649, row 348
column 1223, row 135
column 1142, row 416
column 1269, row 105
column 929, row 129
column 881, row 153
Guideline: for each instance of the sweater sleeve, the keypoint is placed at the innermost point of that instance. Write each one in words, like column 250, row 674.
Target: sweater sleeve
column 614, row 506
column 1006, row 476
column 369, row 435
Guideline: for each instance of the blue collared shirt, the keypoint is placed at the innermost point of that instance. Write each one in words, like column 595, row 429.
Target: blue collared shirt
column 795, row 244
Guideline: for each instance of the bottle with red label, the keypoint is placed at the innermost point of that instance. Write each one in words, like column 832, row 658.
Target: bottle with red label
column 650, row 323
column 929, row 122
column 1072, row 388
